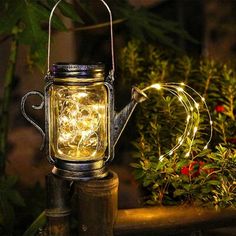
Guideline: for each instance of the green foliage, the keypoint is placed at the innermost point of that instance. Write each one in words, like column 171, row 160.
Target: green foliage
column 27, row 20
column 22, row 22
column 145, row 25
column 9, row 198
column 208, row 176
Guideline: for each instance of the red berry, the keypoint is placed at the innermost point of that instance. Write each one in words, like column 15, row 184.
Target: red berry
column 219, row 108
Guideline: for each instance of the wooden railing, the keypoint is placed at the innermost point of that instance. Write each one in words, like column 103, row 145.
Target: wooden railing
column 171, row 220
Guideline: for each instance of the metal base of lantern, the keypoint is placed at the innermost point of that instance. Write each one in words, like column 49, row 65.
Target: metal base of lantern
column 80, row 170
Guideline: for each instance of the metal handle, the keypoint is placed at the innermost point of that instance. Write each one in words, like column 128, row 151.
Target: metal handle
column 111, row 35
column 36, row 107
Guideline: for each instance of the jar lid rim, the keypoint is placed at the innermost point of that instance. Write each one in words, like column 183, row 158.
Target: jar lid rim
column 75, row 66
column 78, row 70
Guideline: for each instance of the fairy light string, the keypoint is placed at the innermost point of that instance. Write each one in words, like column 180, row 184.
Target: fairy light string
column 189, row 122
column 192, row 111
column 80, row 125
column 207, row 110
column 196, row 105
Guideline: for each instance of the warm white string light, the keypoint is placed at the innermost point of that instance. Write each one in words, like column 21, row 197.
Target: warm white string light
column 189, row 122
column 196, row 105
column 191, row 107
column 179, row 92
column 208, row 113
column 79, row 124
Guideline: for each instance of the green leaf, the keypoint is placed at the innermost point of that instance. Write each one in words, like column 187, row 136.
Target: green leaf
column 32, row 34
column 203, row 153
column 206, row 190
column 40, row 222
column 169, row 170
column 142, row 24
column 43, row 14
column 68, row 10
column 187, row 186
column 179, row 192
column 11, row 15
column 181, row 163
column 135, row 165
column 147, row 182
column 210, row 166
column 214, row 182
column 138, row 174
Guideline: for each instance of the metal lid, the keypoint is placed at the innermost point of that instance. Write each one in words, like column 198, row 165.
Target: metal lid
column 63, row 70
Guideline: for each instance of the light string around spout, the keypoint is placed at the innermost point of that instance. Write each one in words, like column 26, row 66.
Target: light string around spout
column 192, row 110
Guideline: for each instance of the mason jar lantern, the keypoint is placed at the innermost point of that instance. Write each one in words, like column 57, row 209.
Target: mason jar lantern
column 78, row 101
column 81, row 126
column 78, row 119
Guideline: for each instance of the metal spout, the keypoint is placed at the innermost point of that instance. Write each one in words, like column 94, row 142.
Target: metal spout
column 121, row 119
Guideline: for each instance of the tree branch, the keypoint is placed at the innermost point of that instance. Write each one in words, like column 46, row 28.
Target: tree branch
column 97, row 26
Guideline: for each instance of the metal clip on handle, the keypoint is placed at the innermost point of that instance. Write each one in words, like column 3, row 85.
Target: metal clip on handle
column 111, row 35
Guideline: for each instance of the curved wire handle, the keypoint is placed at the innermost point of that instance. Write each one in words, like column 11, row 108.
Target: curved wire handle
column 35, row 107
column 111, row 35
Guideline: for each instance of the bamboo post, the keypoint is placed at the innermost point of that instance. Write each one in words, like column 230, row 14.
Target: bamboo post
column 58, row 206
column 97, row 205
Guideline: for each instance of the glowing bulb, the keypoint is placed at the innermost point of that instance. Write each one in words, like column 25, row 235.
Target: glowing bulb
column 191, row 108
column 171, row 153
column 79, row 95
column 156, row 86
column 188, row 118
column 64, row 119
column 161, row 158
column 73, row 122
column 181, row 141
column 187, row 154
column 203, row 99
column 211, row 122
column 195, row 129
column 196, row 105
column 180, row 89
column 85, row 133
column 65, row 137
column 205, row 147
column 73, row 113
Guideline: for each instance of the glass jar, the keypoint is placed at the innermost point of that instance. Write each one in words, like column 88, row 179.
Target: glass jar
column 78, row 113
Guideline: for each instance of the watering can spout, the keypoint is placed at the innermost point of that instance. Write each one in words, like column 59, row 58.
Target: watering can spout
column 122, row 118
